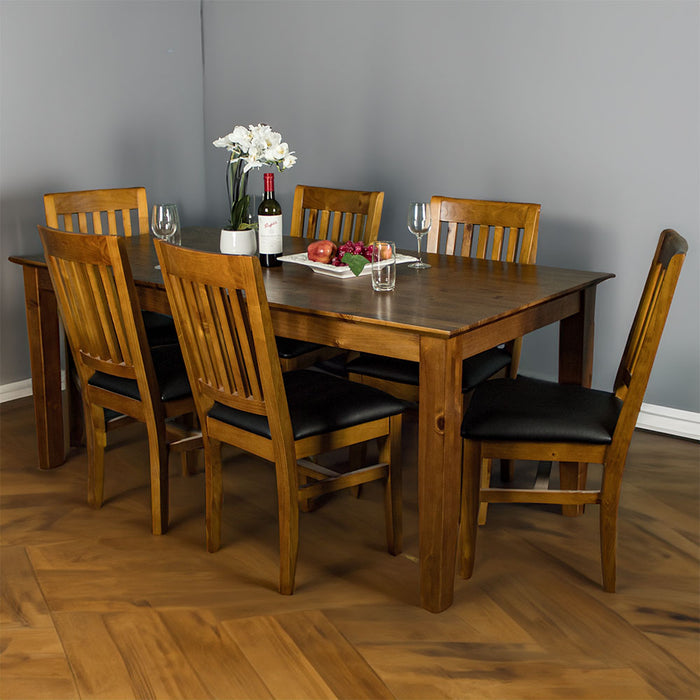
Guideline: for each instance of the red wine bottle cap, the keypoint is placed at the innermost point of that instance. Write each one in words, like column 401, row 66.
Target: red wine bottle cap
column 269, row 181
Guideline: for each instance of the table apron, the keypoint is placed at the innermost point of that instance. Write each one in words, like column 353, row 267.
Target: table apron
column 347, row 334
column 404, row 344
column 153, row 299
column 490, row 335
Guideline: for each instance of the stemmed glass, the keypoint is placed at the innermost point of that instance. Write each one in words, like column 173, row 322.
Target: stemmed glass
column 419, row 225
column 165, row 224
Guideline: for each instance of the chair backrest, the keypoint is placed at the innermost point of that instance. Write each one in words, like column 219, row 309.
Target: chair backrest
column 647, row 327
column 115, row 211
column 225, row 329
column 475, row 228
column 337, row 215
column 99, row 306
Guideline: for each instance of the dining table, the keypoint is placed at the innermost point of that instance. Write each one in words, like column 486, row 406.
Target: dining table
column 439, row 316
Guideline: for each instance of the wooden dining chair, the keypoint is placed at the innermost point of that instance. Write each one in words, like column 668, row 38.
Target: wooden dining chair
column 243, row 399
column 121, row 211
column 505, row 231
column 117, row 369
column 336, row 215
column 339, row 216
column 528, row 419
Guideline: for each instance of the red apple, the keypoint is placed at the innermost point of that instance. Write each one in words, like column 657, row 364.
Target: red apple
column 321, row 251
column 385, row 251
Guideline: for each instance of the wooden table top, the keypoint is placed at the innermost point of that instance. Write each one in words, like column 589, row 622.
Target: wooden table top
column 454, row 296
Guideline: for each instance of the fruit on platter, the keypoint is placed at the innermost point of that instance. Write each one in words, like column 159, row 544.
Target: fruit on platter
column 321, row 251
column 328, row 252
column 386, row 252
column 353, row 247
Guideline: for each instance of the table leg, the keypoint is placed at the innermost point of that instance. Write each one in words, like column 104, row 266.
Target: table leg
column 576, row 367
column 439, row 468
column 45, row 359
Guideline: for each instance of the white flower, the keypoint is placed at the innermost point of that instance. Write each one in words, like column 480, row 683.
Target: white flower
column 242, row 137
column 278, row 152
column 223, row 142
column 257, row 145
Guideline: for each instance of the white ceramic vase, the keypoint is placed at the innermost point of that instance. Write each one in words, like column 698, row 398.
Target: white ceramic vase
column 238, row 242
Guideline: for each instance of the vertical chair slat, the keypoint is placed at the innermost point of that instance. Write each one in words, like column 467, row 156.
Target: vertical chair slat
column 196, row 302
column 336, row 226
column 224, row 305
column 111, row 221
column 467, row 235
column 482, row 241
column 497, row 242
column 324, row 224
column 96, row 222
column 240, row 322
column 358, row 229
column 513, row 240
column 126, row 221
column 311, row 225
column 108, row 311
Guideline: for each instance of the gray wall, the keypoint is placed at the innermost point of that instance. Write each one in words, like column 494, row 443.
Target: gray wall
column 93, row 94
column 590, row 108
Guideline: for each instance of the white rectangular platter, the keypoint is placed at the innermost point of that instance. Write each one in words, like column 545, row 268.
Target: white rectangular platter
column 342, row 272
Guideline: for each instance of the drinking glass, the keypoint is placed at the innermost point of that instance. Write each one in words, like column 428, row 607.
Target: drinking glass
column 165, row 224
column 253, row 204
column 419, row 225
column 383, row 266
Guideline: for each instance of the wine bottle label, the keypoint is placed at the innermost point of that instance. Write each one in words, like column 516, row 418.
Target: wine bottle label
column 270, row 234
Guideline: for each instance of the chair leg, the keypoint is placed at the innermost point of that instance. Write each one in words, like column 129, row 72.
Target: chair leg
column 469, row 507
column 507, row 470
column 306, row 505
column 572, row 476
column 76, row 418
column 158, row 457
column 486, row 466
column 214, row 493
column 358, row 458
column 96, row 434
column 608, row 544
column 288, row 518
column 390, row 452
column 190, row 458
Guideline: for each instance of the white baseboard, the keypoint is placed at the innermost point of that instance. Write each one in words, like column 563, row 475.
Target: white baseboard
column 670, row 421
column 16, row 390
column 19, row 390
column 659, row 419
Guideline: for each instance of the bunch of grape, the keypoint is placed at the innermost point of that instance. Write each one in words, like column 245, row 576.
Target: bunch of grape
column 357, row 248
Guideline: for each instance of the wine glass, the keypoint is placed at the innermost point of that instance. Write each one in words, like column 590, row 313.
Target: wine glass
column 419, row 225
column 165, row 224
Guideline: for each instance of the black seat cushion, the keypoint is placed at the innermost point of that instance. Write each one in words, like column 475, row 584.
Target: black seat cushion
column 289, row 348
column 531, row 410
column 474, row 369
column 318, row 403
column 170, row 373
column 160, row 329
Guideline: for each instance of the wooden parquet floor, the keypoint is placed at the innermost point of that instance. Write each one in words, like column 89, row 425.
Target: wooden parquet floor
column 94, row 606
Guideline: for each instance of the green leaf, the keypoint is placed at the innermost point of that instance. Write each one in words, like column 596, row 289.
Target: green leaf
column 355, row 262
column 238, row 213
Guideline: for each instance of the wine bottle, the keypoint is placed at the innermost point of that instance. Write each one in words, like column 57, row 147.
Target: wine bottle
column 269, row 225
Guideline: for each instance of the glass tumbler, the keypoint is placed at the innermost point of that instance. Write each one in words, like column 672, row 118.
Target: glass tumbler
column 383, row 266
